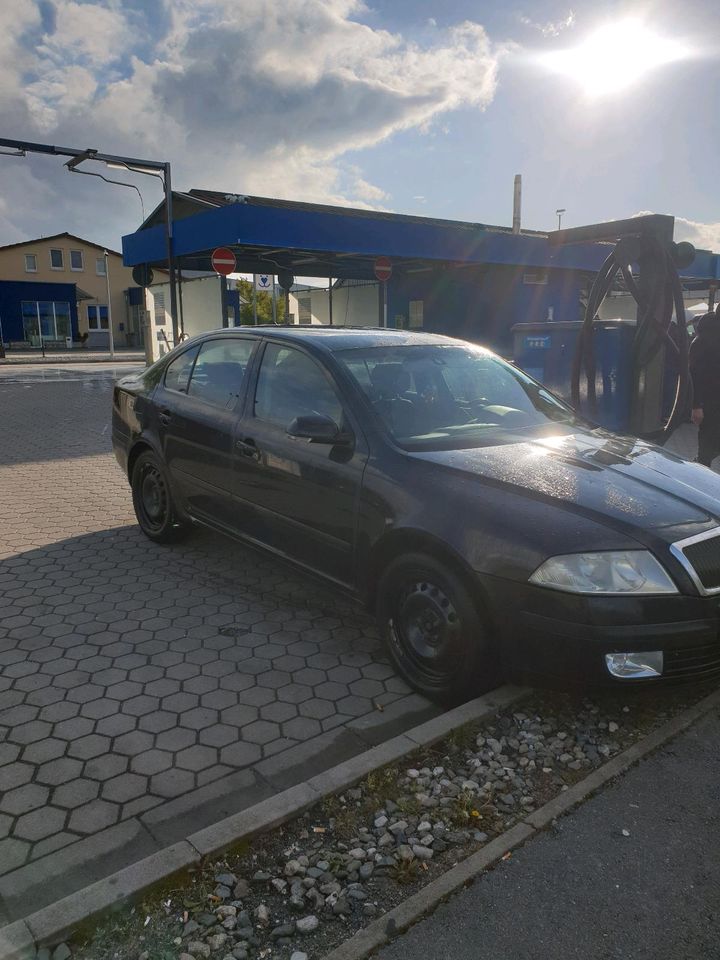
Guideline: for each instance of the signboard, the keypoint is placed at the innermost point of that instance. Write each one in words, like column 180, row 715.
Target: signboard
column 142, row 275
column 263, row 281
column 223, row 261
column 383, row 269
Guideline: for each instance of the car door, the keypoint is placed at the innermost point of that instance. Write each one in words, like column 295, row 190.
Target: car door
column 300, row 498
column 198, row 405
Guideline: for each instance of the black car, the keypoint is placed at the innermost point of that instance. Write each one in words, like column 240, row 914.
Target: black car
column 492, row 530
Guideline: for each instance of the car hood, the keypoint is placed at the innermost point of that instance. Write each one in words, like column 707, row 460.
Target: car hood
column 622, row 480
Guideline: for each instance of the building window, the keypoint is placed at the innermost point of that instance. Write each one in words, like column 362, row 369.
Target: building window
column 30, row 263
column 76, row 260
column 97, row 317
column 56, row 260
column 45, row 320
column 159, row 300
column 100, row 266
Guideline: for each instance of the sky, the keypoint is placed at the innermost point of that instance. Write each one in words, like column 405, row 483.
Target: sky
column 607, row 109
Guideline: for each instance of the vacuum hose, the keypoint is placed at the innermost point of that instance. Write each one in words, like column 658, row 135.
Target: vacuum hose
column 658, row 295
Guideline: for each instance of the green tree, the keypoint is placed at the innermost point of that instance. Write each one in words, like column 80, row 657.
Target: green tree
column 264, row 305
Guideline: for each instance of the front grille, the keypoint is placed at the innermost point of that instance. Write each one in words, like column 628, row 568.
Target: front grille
column 701, row 558
column 692, row 663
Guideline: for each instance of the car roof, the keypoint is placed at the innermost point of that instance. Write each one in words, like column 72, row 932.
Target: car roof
column 338, row 338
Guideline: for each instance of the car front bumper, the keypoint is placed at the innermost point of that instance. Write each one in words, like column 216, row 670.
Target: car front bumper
column 553, row 635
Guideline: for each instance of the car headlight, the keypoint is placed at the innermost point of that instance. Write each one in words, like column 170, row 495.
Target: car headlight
column 611, row 572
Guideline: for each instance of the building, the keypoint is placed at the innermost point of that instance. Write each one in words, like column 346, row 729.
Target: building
column 55, row 288
column 348, row 303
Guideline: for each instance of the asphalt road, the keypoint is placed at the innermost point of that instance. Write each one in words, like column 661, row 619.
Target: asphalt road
column 584, row 890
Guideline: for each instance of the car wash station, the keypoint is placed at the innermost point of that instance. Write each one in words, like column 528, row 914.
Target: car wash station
column 597, row 313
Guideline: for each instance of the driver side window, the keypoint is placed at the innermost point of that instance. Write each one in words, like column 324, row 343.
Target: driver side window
column 291, row 384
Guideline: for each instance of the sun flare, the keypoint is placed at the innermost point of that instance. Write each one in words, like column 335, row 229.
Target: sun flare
column 615, row 57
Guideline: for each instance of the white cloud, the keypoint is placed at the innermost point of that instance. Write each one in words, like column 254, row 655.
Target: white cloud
column 243, row 95
column 551, row 28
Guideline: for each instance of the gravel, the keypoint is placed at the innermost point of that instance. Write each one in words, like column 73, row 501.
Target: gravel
column 308, row 886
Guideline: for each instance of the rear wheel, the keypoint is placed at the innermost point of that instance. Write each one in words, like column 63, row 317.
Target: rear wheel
column 433, row 630
column 153, row 502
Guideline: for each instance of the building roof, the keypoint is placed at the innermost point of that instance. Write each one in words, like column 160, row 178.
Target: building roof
column 60, row 236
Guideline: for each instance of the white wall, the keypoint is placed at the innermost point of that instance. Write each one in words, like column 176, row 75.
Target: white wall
column 353, row 306
column 202, row 311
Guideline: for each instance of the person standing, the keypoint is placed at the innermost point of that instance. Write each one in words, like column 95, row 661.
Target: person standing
column 705, row 372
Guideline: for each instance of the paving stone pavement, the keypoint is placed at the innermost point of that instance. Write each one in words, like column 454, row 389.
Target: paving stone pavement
column 147, row 691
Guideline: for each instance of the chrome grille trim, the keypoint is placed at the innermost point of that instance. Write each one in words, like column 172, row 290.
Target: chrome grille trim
column 677, row 550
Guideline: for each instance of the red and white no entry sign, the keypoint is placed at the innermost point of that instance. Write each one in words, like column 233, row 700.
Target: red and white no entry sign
column 383, row 268
column 223, row 261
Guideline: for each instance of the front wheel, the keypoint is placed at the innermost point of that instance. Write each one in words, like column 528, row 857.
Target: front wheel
column 152, row 500
column 433, row 630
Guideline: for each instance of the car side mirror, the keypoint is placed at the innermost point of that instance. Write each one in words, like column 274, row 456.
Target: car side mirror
column 316, row 428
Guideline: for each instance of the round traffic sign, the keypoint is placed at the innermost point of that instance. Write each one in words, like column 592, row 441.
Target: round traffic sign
column 383, row 268
column 142, row 275
column 223, row 261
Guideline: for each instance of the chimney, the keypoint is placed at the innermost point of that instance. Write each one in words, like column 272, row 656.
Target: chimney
column 517, row 203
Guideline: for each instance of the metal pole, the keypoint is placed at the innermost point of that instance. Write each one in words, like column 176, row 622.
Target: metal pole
column 109, row 305
column 180, row 301
column 255, row 299
column 167, row 182
column 274, row 301
column 330, row 303
column 384, row 303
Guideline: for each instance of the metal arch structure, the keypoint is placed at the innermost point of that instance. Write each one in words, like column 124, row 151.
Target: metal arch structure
column 157, row 168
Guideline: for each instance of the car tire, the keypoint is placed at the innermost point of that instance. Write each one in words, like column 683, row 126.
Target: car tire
column 434, row 631
column 153, row 502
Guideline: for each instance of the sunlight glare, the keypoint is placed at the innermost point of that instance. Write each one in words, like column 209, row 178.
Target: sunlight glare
column 615, row 57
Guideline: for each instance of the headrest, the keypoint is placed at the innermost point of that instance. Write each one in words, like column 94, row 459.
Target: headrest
column 390, row 379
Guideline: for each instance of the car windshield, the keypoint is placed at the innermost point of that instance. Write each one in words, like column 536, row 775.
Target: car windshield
column 449, row 396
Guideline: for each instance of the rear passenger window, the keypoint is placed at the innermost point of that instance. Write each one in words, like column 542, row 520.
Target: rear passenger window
column 177, row 372
column 218, row 374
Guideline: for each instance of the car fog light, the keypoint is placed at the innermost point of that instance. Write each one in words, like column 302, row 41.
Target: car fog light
column 635, row 666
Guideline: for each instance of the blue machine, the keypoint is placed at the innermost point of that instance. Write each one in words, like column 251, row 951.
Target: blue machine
column 546, row 351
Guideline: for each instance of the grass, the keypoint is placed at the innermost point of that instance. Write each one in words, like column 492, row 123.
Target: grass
column 405, row 872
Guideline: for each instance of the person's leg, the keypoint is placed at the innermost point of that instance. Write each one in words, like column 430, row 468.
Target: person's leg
column 708, row 440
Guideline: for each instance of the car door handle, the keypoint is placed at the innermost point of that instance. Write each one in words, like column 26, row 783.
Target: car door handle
column 247, row 448
column 165, row 417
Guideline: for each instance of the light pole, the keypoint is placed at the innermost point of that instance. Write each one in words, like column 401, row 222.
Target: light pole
column 109, row 305
column 560, row 213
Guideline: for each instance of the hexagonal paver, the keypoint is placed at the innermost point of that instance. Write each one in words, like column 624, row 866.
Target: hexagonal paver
column 74, row 728
column 30, row 732
column 366, row 687
column 139, row 706
column 162, row 688
column 278, row 711
column 219, row 735
column 151, row 762
column 196, row 758
column 116, row 725
column 24, row 799
column 301, row 728
column 126, row 787
column 157, row 721
column 124, row 690
column 40, row 824
column 98, row 709
column 88, row 747
column 198, row 718
column 133, row 743
column 58, row 771
column 294, row 693
column 85, row 693
column 331, row 690
column 240, row 715
column 14, row 775
column 200, row 685
column 13, row 853
column 262, row 731
column 102, row 768
column 316, row 708
column 10, row 752
column 172, row 783
column 75, row 793
column 177, row 738
column 94, row 816
column 240, row 754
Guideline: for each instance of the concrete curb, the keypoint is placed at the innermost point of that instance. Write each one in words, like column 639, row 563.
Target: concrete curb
column 382, row 931
column 55, row 923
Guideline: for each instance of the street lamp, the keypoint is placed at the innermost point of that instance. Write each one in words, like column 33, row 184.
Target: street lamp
column 109, row 305
column 560, row 213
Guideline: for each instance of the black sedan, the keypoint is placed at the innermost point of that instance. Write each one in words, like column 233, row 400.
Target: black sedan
column 493, row 532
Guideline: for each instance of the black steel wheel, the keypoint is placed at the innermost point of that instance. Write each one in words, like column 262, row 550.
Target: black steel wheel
column 433, row 630
column 152, row 500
